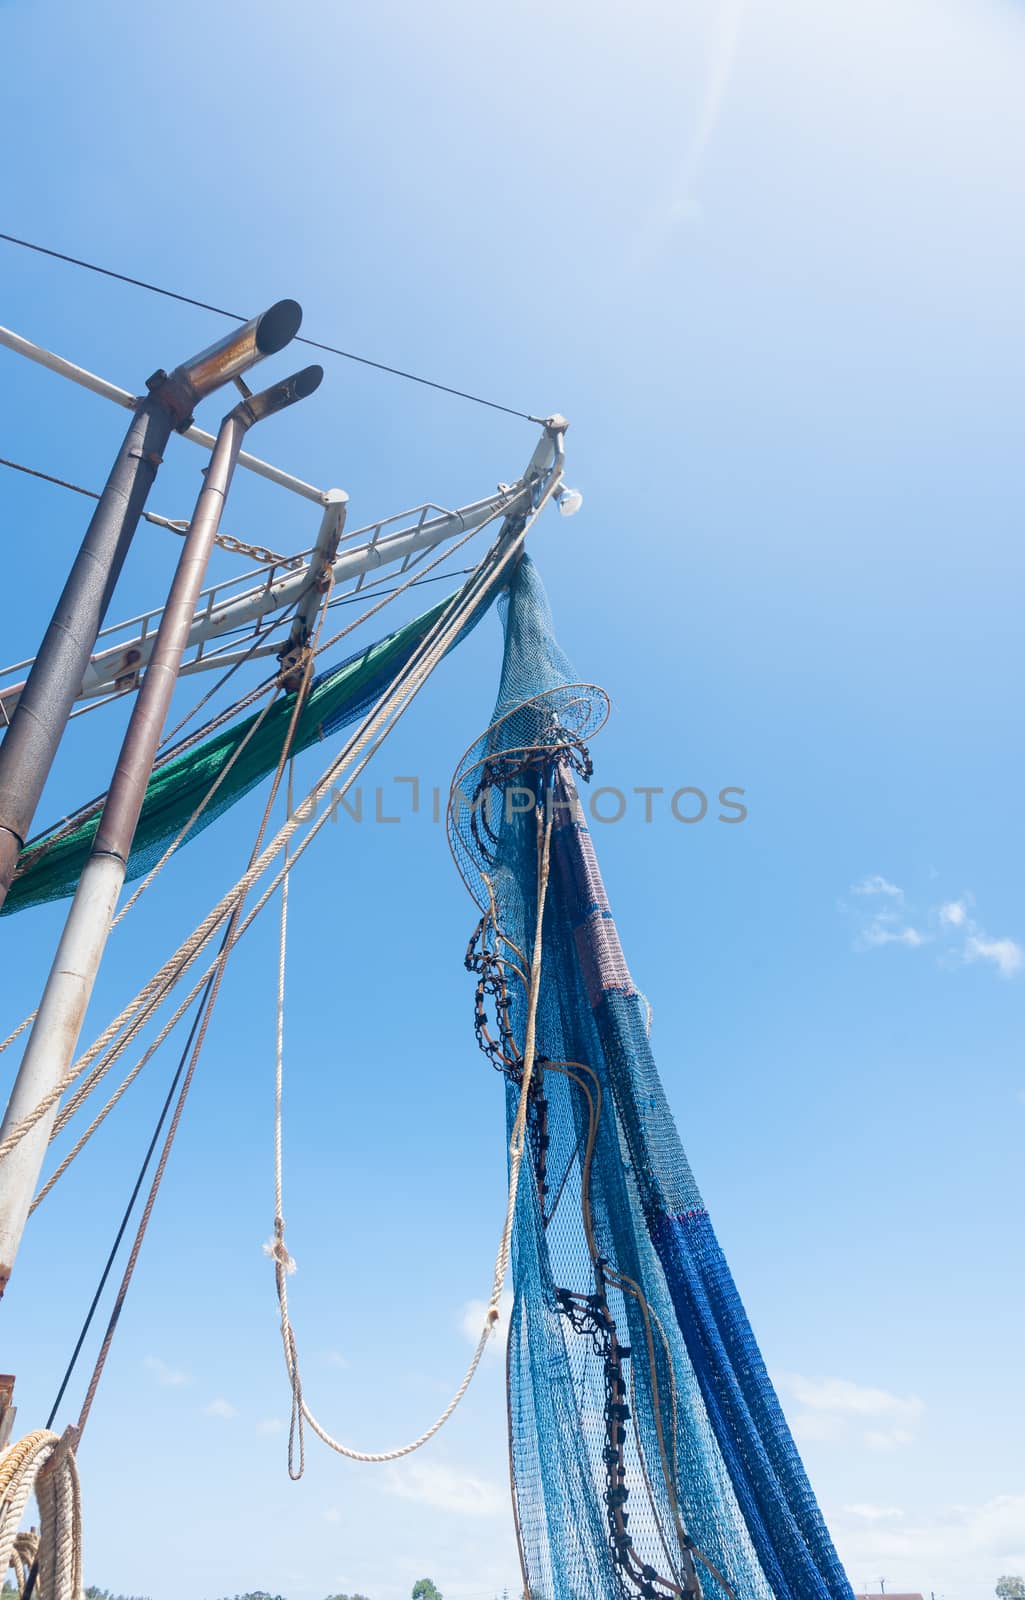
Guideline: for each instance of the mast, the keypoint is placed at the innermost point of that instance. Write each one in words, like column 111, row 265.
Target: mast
column 54, row 1036
column 31, row 741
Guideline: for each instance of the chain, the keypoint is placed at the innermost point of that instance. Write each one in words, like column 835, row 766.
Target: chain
column 256, row 552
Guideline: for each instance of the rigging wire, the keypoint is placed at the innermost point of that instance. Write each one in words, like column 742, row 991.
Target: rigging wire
column 316, row 344
column 225, row 541
column 115, row 1247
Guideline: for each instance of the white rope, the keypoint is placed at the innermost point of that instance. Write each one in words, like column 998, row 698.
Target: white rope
column 44, row 1463
column 277, row 1249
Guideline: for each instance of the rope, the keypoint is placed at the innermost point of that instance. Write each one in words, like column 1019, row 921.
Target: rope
column 45, row 1464
column 124, row 1085
column 23, row 1557
column 277, row 1249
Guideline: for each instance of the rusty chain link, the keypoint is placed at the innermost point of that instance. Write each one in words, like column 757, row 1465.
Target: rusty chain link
column 255, row 552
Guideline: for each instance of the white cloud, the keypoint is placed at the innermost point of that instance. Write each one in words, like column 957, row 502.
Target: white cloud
column 220, row 1408
column 334, row 1358
column 868, row 1513
column 331, row 1514
column 877, row 933
column 842, row 1396
column 877, row 884
column 882, row 921
column 447, row 1490
column 471, row 1321
column 167, row 1377
column 833, row 1407
column 943, row 1549
column 1006, row 955
column 816, row 1427
column 888, row 1438
column 271, row 1425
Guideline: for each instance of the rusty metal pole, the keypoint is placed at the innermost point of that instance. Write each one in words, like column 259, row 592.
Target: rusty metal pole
column 52, row 1042
column 30, row 743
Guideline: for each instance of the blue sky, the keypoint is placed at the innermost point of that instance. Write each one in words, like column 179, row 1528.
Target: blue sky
column 768, row 260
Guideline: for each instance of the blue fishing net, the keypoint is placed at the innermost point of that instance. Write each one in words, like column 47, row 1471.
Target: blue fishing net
column 647, row 1445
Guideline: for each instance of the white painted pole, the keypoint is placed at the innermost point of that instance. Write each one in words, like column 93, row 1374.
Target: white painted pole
column 121, row 397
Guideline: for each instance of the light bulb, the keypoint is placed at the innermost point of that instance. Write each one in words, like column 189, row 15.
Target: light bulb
column 569, row 501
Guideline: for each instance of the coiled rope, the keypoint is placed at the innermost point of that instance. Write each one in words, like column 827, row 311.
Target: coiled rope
column 43, row 1463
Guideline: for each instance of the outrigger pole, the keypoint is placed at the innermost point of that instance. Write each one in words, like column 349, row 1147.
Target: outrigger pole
column 398, row 540
column 54, row 1036
column 30, row 743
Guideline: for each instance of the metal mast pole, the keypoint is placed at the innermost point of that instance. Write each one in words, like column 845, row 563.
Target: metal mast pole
column 30, row 743
column 54, row 1036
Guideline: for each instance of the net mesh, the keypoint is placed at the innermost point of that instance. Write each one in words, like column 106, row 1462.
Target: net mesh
column 642, row 1422
column 235, row 760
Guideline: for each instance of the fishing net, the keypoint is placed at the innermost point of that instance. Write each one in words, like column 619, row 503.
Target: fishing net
column 235, row 760
column 648, row 1448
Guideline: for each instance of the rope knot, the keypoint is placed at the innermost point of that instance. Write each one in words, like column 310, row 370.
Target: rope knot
column 278, row 1250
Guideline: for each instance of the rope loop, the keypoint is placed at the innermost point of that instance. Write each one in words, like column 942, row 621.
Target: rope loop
column 43, row 1463
column 275, row 1248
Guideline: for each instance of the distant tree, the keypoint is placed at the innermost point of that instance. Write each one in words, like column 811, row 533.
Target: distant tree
column 1011, row 1588
column 424, row 1589
column 92, row 1593
column 254, row 1594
